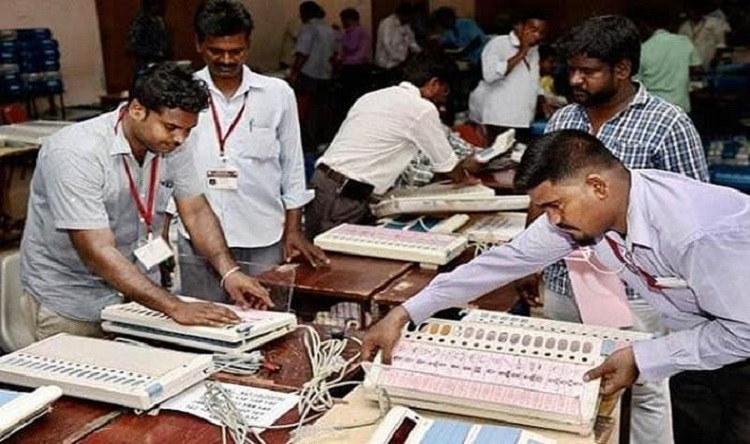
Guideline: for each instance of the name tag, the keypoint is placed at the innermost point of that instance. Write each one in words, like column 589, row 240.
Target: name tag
column 226, row 178
column 153, row 253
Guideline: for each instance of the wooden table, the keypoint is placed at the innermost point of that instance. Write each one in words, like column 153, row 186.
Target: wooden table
column 87, row 422
column 347, row 278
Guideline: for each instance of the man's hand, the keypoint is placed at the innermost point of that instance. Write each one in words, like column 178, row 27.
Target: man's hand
column 202, row 313
column 617, row 372
column 247, row 291
column 384, row 335
column 296, row 245
column 528, row 290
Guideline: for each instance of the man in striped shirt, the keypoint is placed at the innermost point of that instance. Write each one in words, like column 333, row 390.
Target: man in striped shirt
column 643, row 131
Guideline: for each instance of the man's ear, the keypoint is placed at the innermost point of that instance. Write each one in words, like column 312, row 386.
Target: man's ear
column 624, row 70
column 137, row 111
column 598, row 185
column 197, row 45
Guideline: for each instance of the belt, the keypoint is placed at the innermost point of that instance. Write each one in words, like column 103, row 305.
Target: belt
column 332, row 174
column 345, row 186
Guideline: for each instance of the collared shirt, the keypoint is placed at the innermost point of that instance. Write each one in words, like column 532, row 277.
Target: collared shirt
column 708, row 35
column 266, row 150
column 317, row 40
column 395, row 42
column 649, row 133
column 80, row 183
column 463, row 34
column 666, row 59
column 678, row 228
column 355, row 46
column 381, row 134
column 506, row 100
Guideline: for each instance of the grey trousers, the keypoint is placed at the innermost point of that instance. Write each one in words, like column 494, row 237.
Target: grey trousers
column 198, row 278
column 329, row 209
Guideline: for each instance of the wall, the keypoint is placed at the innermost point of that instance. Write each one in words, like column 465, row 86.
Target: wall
column 74, row 25
column 271, row 18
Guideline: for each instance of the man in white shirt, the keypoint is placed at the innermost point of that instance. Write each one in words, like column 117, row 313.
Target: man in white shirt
column 707, row 32
column 246, row 147
column 506, row 96
column 380, row 136
column 396, row 39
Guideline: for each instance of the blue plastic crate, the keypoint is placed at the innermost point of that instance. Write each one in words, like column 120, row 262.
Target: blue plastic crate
column 33, row 34
column 734, row 176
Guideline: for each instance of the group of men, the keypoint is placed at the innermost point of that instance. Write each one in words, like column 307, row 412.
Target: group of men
column 221, row 148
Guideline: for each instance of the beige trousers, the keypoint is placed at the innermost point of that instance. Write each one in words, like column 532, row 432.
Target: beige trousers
column 44, row 322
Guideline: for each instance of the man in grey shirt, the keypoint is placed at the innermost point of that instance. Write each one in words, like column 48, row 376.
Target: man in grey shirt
column 99, row 193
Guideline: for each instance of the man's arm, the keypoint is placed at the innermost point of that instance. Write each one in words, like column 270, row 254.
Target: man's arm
column 294, row 193
column 715, row 268
column 208, row 238
column 540, row 245
column 682, row 150
column 500, row 58
column 97, row 250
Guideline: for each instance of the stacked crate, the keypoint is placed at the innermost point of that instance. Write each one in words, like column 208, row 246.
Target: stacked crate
column 29, row 64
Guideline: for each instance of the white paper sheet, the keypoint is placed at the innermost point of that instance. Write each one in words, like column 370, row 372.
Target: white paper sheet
column 260, row 407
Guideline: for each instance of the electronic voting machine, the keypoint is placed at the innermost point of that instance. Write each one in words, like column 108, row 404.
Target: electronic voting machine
column 404, row 426
column 256, row 328
column 106, row 371
column 447, row 198
column 499, row 366
column 404, row 245
column 17, row 409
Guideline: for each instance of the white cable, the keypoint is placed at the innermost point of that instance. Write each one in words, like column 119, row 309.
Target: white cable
column 220, row 404
column 587, row 255
column 242, row 364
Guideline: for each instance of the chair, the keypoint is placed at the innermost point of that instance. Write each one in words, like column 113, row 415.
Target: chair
column 14, row 333
column 13, row 113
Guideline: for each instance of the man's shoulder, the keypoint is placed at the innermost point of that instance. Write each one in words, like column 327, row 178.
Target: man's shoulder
column 89, row 138
column 567, row 117
column 655, row 107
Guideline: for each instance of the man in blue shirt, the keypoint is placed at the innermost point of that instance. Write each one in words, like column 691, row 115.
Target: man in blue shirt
column 461, row 34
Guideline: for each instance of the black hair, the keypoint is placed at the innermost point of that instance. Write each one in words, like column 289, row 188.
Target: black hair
column 609, row 38
column 524, row 15
column 349, row 14
column 222, row 18
column 405, row 8
column 311, row 10
column 444, row 14
column 546, row 51
column 560, row 155
column 428, row 65
column 167, row 85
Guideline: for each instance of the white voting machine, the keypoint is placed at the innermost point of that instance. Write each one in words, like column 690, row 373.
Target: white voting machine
column 34, row 132
column 403, row 245
column 256, row 328
column 517, row 375
column 18, row 409
column 447, row 198
column 404, row 426
column 107, row 371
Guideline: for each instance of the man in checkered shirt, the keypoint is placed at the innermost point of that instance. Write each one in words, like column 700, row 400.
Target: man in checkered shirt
column 643, row 131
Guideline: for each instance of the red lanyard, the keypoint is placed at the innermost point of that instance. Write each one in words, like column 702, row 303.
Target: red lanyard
column 146, row 213
column 217, row 125
column 633, row 267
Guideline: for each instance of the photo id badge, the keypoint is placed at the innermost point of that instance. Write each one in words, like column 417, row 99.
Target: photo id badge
column 226, row 178
column 153, row 253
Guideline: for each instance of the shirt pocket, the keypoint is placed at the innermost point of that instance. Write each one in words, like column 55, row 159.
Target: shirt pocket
column 634, row 154
column 164, row 193
column 257, row 143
